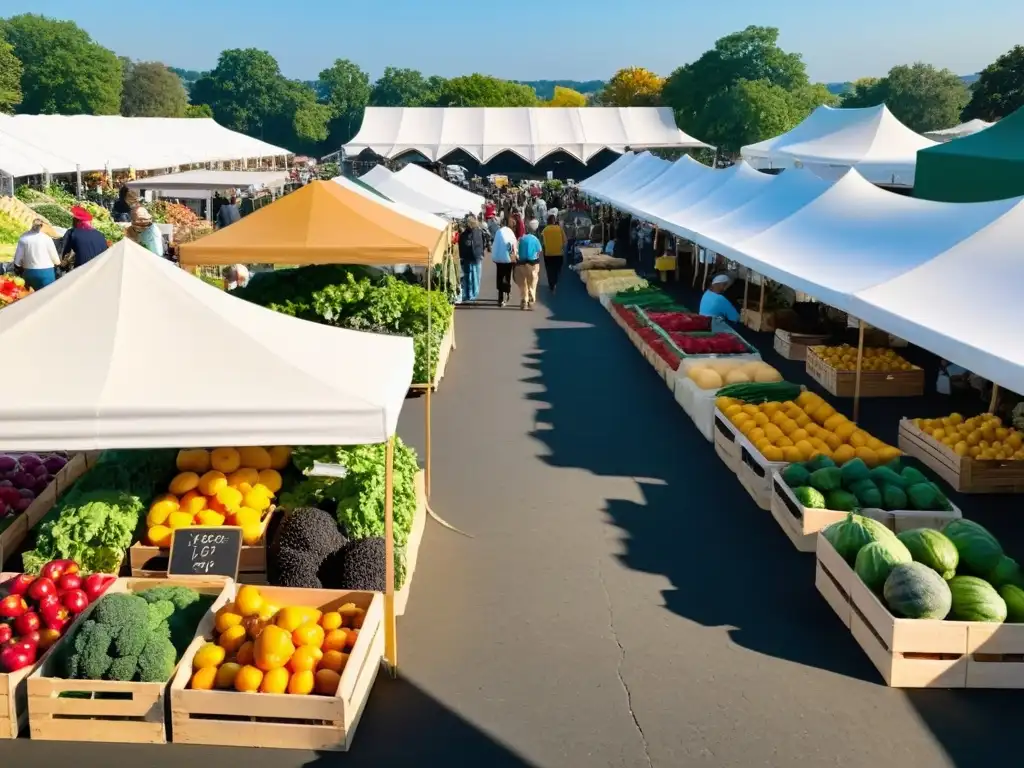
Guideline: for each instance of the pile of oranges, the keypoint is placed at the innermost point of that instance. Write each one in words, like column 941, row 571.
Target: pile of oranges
column 981, row 437
column 261, row 648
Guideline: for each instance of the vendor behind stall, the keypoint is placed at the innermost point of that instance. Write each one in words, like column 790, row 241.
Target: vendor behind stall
column 714, row 304
column 82, row 240
column 145, row 232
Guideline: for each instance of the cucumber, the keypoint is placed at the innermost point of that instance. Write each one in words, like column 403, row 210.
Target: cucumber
column 753, row 392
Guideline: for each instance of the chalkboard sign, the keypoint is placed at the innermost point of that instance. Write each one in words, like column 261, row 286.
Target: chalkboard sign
column 205, row 551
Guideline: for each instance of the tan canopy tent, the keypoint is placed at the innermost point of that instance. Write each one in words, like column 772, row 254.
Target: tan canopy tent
column 321, row 223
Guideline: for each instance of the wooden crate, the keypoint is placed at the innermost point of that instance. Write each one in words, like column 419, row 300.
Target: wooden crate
column 727, row 441
column 107, row 711
column 963, row 473
column 872, row 383
column 758, row 321
column 793, row 346
column 445, row 350
column 252, row 562
column 228, row 718
column 755, row 473
column 920, row 653
column 412, row 547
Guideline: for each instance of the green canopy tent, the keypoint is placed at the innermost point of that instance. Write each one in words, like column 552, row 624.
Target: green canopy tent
column 988, row 165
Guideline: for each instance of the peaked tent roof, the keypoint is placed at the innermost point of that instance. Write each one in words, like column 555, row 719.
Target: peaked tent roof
column 324, row 222
column 441, row 189
column 831, row 140
column 969, row 128
column 988, row 165
column 285, row 381
column 379, row 198
column 389, row 184
column 531, row 133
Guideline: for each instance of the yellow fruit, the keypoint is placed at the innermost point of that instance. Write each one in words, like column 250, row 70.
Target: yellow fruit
column 783, row 442
column 805, row 448
column 751, row 410
column 335, row 640
column 230, row 498
column 245, row 653
column 248, row 679
column 193, row 502
column 268, row 611
column 208, row 655
column 252, row 534
column 755, row 435
column 747, row 427
column 183, row 483
column 799, row 434
column 309, row 633
column 196, row 460
column 859, row 439
column 938, row 434
column 212, row 482
column 273, row 648
column 203, row 679
column 867, row 455
column 291, row 617
column 334, row 660
column 249, row 600
column 162, row 508
column 226, row 674
column 834, row 421
column 804, row 421
column 887, row 453
column 845, row 430
column 1014, row 440
column 792, row 453
column 331, row 620
column 822, row 413
column 226, row 618
column 771, row 453
column 210, row 517
column 280, row 455
column 275, row 681
column 156, row 518
column 779, row 418
column 812, row 429
column 960, row 448
column 874, row 443
column 733, row 409
column 179, row 520
column 246, row 516
column 259, row 498
column 772, row 432
column 232, row 638
column 327, row 681
column 255, row 458
column 739, row 418
column 301, row 683
column 159, row 536
column 305, row 658
column 244, row 488
column 225, row 460
column 843, row 454
column 788, row 427
column 243, row 475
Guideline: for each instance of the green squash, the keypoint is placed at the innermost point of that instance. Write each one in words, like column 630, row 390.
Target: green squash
column 827, row 479
column 930, row 547
column 979, row 550
column 915, row 591
column 975, row 599
column 849, row 535
column 1013, row 596
column 841, row 501
column 876, row 560
column 809, row 497
column 854, row 471
column 795, row 476
column 886, row 476
column 893, row 498
column 1006, row 572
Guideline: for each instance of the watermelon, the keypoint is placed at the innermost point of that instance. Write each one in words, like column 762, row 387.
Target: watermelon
column 796, row 476
column 894, row 497
column 854, row 471
column 979, row 550
column 930, row 547
column 1013, row 596
column 849, row 535
column 876, row 560
column 912, row 476
column 975, row 599
column 809, row 497
column 915, row 591
column 826, row 479
column 1006, row 572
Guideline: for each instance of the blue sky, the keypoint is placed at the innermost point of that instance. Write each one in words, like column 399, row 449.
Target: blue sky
column 587, row 39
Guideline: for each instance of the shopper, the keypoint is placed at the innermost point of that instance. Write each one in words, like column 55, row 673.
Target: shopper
column 504, row 255
column 82, row 240
column 228, row 213
column 145, row 232
column 540, row 209
column 714, row 304
column 516, row 224
column 236, row 276
column 554, row 250
column 471, row 255
column 122, row 210
column 36, row 257
column 527, row 268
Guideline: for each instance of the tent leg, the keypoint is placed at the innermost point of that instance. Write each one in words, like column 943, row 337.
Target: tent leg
column 746, row 291
column 995, row 398
column 430, row 386
column 390, row 623
column 856, row 381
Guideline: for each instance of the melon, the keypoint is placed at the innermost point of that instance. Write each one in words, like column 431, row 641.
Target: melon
column 930, row 547
column 980, row 553
column 765, row 374
column 915, row 591
column 876, row 560
column 849, row 535
column 975, row 599
column 705, row 378
column 1013, row 596
column 736, row 376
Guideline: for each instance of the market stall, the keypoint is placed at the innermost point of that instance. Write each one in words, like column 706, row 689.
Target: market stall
column 391, row 186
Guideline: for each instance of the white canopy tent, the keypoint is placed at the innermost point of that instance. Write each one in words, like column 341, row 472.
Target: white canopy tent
column 432, row 221
column 643, row 169
column 39, row 144
column 831, row 140
column 531, row 133
column 969, row 128
column 648, row 198
column 617, row 166
column 201, row 184
column 390, row 185
column 455, row 197
column 285, row 382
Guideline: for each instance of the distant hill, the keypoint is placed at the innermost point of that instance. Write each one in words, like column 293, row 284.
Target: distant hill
column 840, row 88
column 188, row 76
column 546, row 88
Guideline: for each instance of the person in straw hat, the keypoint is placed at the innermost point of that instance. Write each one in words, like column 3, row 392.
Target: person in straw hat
column 145, row 232
column 714, row 304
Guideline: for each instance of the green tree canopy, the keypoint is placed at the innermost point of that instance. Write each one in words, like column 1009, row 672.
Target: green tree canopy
column 243, row 90
column 566, row 97
column 404, row 88
column 1000, row 88
column 64, row 71
column 345, row 90
column 920, row 96
column 152, row 90
column 301, row 123
column 478, row 90
column 10, row 78
column 198, row 110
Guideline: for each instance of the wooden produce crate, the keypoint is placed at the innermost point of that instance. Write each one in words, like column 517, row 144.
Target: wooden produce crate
column 447, row 345
column 872, row 383
column 758, row 321
column 793, row 346
column 755, row 473
column 252, row 561
column 963, row 473
column 920, row 653
column 229, row 718
column 104, row 710
column 412, row 547
column 727, row 441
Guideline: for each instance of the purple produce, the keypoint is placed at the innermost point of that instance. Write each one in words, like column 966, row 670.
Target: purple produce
column 4, row 509
column 22, row 504
column 27, row 493
column 29, row 460
column 10, row 475
column 8, row 463
column 6, row 484
column 54, row 464
column 24, row 479
column 38, row 470
column 9, row 495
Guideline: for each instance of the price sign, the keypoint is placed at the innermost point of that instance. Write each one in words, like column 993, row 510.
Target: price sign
column 205, row 551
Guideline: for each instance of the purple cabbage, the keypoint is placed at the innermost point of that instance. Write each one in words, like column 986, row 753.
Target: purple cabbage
column 54, row 464
column 21, row 505
column 8, row 463
column 27, row 493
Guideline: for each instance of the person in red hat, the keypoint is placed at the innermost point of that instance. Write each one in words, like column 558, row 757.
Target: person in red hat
column 82, row 240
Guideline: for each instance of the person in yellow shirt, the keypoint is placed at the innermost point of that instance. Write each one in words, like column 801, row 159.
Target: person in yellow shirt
column 554, row 240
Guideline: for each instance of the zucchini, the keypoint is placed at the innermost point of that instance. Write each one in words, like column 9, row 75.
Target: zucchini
column 753, row 392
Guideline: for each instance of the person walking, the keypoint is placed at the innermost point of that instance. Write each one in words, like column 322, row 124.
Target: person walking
column 554, row 250
column 503, row 254
column 471, row 254
column 527, row 269
column 36, row 257
column 228, row 213
column 516, row 224
column 145, row 232
column 82, row 240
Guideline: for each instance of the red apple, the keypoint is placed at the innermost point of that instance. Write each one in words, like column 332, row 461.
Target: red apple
column 42, row 587
column 95, row 584
column 56, row 618
column 53, row 570
column 12, row 606
column 70, row 566
column 69, row 581
column 15, row 657
column 75, row 600
column 32, row 638
column 48, row 637
column 6, row 633
column 27, row 622
column 19, row 585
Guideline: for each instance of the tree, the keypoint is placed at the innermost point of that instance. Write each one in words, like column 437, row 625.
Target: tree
column 10, row 78
column 198, row 110
column 152, row 90
column 632, row 87
column 64, row 70
column 345, row 90
column 243, row 91
column 863, row 92
column 920, row 96
column 566, row 97
column 1000, row 88
column 301, row 122
column 403, row 88
column 478, row 90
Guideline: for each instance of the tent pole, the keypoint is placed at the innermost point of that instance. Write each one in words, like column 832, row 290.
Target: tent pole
column 695, row 254
column 746, row 291
column 430, row 385
column 678, row 268
column 856, row 381
column 390, row 624
column 707, row 267
column 760, row 303
column 995, row 398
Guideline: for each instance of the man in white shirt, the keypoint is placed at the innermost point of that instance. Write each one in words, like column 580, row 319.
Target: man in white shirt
column 540, row 210
column 37, row 257
column 503, row 254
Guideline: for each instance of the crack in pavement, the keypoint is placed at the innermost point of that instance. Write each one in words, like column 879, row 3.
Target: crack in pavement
column 618, row 666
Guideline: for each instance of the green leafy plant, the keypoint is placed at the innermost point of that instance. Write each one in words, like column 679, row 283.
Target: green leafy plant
column 54, row 213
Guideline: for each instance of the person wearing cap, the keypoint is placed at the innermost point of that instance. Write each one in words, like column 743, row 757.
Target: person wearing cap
column 82, row 240
column 144, row 232
column 36, row 257
column 714, row 304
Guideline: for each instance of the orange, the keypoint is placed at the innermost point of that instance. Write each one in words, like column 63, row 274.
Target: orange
column 248, row 679
column 227, row 617
column 353, row 635
column 232, row 639
column 255, row 457
column 245, row 655
column 159, row 536
column 335, row 640
column 161, row 510
column 327, row 682
column 304, row 659
column 273, row 648
column 208, row 655
column 270, row 479
column 249, row 600
column 183, row 483
column 275, row 681
column 246, row 475
column 226, row 674
column 331, row 620
column 210, row 517
column 193, row 502
column 301, row 683
column 334, row 660
column 280, row 455
column 212, row 482
column 203, row 679
column 225, row 460
column 309, row 634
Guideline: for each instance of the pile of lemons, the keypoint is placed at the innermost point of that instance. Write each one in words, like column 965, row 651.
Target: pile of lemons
column 844, row 358
column 980, row 437
column 802, row 429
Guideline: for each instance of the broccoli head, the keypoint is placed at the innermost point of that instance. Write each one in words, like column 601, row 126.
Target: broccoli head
column 121, row 611
column 123, row 669
column 157, row 660
column 306, row 550
column 91, row 658
column 179, row 597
